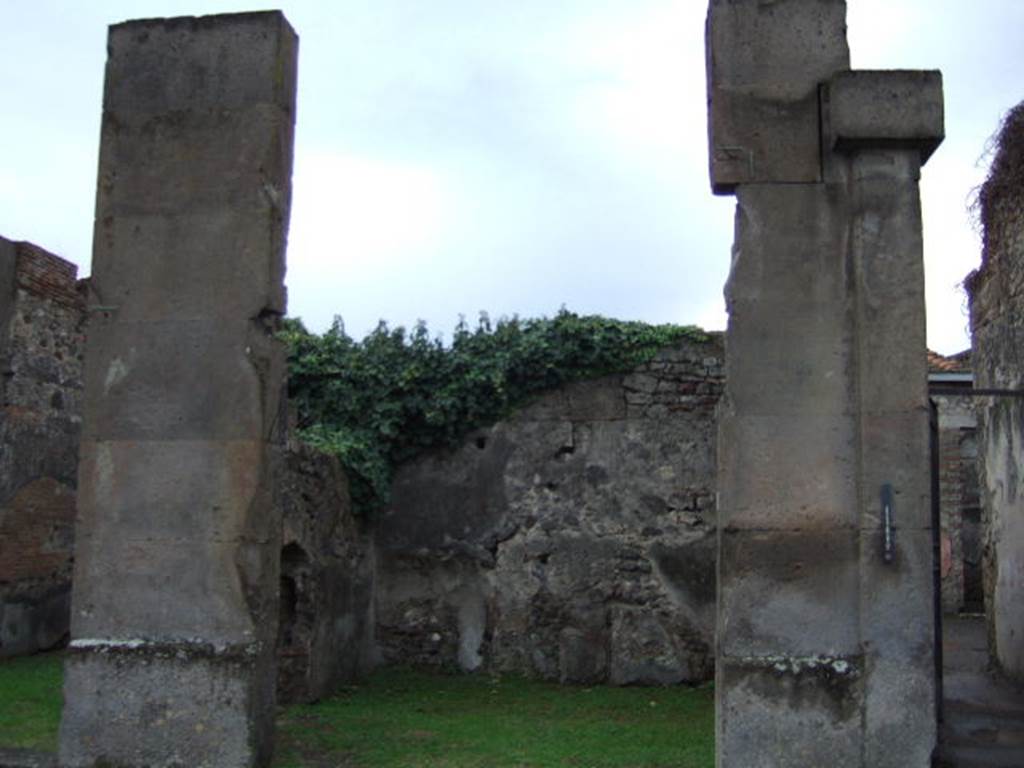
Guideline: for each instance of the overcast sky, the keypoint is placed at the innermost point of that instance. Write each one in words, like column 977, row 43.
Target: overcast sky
column 454, row 156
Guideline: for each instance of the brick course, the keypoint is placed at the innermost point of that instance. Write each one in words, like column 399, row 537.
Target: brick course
column 42, row 313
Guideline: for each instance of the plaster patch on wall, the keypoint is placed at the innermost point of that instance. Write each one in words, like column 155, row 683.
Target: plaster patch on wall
column 116, row 373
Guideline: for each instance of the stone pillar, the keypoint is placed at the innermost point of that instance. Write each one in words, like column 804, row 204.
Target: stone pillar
column 174, row 606
column 825, row 640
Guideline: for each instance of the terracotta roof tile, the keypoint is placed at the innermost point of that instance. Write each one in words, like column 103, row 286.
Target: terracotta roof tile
column 958, row 363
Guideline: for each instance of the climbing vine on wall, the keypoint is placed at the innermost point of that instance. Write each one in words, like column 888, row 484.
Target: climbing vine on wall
column 381, row 401
column 1005, row 175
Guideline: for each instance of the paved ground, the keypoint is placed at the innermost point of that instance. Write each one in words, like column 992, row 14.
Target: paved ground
column 983, row 724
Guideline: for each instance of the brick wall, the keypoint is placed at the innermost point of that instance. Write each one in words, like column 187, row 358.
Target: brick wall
column 41, row 339
column 47, row 277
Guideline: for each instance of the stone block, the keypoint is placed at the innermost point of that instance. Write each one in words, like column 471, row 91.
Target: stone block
column 582, row 656
column 790, row 241
column 895, row 449
column 655, row 457
column 176, row 489
column 201, row 162
column 885, row 109
column 689, row 572
column 216, row 596
column 135, row 281
column 547, row 406
column 899, row 713
column 887, row 254
column 810, row 485
column 789, row 713
column 33, row 623
column 193, row 64
column 803, row 362
column 142, row 380
column 595, row 400
column 885, row 232
column 788, row 593
column 897, row 632
column 765, row 62
column 897, row 599
column 642, row 650
column 436, row 504
column 172, row 707
column 894, row 380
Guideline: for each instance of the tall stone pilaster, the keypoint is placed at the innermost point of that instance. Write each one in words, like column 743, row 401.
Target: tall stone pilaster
column 174, row 606
column 825, row 631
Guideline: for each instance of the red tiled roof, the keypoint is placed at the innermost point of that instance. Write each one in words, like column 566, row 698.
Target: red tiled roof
column 958, row 363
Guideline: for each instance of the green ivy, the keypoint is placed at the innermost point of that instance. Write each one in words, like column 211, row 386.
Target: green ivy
column 381, row 401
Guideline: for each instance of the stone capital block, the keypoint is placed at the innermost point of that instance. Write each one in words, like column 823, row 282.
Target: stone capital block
column 884, row 109
column 765, row 62
column 186, row 65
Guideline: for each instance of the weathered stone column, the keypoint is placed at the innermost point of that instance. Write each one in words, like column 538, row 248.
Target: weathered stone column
column 175, row 588
column 824, row 645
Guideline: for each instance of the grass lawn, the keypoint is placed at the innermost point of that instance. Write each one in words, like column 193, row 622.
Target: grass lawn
column 30, row 701
column 419, row 719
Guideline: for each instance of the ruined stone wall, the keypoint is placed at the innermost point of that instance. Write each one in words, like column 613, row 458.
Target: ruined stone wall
column 41, row 314
column 997, row 328
column 574, row 541
column 325, row 636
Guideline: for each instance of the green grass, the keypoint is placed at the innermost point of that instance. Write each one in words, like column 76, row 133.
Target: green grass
column 30, row 701
column 418, row 719
column 423, row 719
